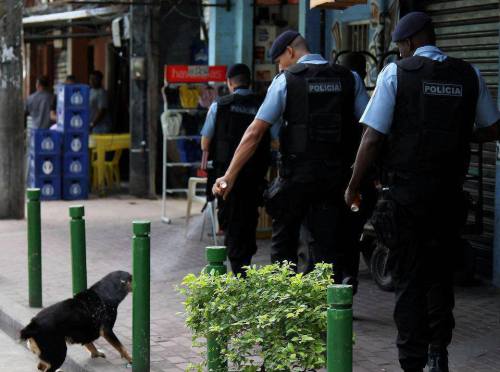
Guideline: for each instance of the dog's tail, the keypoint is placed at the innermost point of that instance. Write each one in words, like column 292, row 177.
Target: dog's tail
column 29, row 331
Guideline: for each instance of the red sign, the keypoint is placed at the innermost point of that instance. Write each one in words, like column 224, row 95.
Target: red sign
column 194, row 73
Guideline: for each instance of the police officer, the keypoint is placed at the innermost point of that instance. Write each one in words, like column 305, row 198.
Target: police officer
column 420, row 122
column 319, row 104
column 227, row 120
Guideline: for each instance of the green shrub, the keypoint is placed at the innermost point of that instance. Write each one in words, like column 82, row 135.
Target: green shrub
column 274, row 314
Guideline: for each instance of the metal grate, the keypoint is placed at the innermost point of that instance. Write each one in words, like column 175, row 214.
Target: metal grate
column 357, row 36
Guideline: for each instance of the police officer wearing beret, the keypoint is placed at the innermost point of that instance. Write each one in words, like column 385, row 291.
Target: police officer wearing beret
column 314, row 106
column 425, row 111
column 227, row 120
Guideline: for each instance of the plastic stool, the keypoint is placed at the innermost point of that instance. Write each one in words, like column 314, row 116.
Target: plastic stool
column 113, row 170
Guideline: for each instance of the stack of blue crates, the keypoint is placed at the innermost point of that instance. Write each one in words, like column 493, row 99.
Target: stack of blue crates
column 73, row 116
column 44, row 163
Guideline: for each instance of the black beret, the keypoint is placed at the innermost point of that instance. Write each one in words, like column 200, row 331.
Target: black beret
column 409, row 25
column 238, row 69
column 281, row 42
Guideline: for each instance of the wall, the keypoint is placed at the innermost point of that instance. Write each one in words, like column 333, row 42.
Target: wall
column 231, row 34
column 100, row 56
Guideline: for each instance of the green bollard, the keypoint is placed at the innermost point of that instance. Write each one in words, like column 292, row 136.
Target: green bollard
column 34, row 248
column 78, row 248
column 339, row 335
column 141, row 297
column 215, row 258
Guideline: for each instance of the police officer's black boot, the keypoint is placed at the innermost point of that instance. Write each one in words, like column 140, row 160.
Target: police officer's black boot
column 438, row 362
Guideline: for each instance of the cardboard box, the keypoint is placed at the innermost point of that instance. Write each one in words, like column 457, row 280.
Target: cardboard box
column 261, row 55
column 265, row 35
column 265, row 72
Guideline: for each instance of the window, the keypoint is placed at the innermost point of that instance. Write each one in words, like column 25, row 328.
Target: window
column 357, row 37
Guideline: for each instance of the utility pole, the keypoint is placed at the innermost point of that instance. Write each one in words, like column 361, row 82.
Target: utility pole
column 11, row 110
column 144, row 93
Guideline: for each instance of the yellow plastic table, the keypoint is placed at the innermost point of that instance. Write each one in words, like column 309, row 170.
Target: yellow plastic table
column 99, row 145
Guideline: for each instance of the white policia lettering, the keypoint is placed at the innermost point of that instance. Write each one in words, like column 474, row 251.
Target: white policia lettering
column 439, row 89
column 243, row 110
column 325, row 87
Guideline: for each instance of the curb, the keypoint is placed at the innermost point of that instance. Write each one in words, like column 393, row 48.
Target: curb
column 77, row 359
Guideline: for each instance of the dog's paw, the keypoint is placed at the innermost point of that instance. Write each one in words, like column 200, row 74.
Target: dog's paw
column 128, row 365
column 99, row 354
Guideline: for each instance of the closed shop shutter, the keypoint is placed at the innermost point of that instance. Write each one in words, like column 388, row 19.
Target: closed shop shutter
column 468, row 29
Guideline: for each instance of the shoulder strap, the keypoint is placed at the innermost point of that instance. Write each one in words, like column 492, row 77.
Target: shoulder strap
column 412, row 63
column 339, row 69
column 298, row 68
column 225, row 100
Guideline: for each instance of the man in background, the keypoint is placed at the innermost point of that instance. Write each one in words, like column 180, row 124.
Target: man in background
column 100, row 121
column 38, row 105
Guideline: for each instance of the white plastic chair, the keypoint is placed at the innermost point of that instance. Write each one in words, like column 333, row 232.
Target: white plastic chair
column 209, row 208
column 191, row 195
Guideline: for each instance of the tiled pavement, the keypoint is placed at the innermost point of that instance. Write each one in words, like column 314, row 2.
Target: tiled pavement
column 177, row 250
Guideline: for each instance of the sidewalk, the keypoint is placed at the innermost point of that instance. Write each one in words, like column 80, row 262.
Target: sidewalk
column 176, row 251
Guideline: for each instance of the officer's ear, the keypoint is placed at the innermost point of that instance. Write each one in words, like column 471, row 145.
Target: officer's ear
column 405, row 47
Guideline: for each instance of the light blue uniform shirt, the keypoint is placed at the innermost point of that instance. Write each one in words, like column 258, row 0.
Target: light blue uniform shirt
column 209, row 126
column 379, row 112
column 273, row 107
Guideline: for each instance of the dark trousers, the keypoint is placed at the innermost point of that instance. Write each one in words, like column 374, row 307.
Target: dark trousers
column 238, row 217
column 422, row 269
column 323, row 214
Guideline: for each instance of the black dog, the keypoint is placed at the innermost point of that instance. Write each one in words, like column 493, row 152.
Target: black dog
column 79, row 320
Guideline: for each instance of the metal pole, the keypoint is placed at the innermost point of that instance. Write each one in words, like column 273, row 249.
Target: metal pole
column 215, row 257
column 78, row 248
column 141, row 297
column 34, row 248
column 339, row 335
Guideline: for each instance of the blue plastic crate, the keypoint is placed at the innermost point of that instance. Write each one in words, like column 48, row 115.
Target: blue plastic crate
column 45, row 165
column 73, row 96
column 76, row 143
column 74, row 120
column 76, row 165
column 50, row 187
column 75, row 188
column 45, row 142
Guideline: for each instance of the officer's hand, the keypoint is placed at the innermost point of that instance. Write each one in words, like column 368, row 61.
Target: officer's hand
column 350, row 196
column 222, row 187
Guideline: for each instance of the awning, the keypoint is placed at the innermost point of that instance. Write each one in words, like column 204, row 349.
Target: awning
column 63, row 17
column 335, row 4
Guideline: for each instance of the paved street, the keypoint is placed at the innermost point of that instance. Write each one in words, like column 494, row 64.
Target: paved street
column 175, row 251
column 15, row 357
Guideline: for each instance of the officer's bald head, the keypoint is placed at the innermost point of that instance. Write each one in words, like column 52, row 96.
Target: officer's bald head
column 292, row 53
column 425, row 36
column 300, row 44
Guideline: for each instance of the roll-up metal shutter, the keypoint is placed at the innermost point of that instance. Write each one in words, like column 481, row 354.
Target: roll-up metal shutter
column 468, row 29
